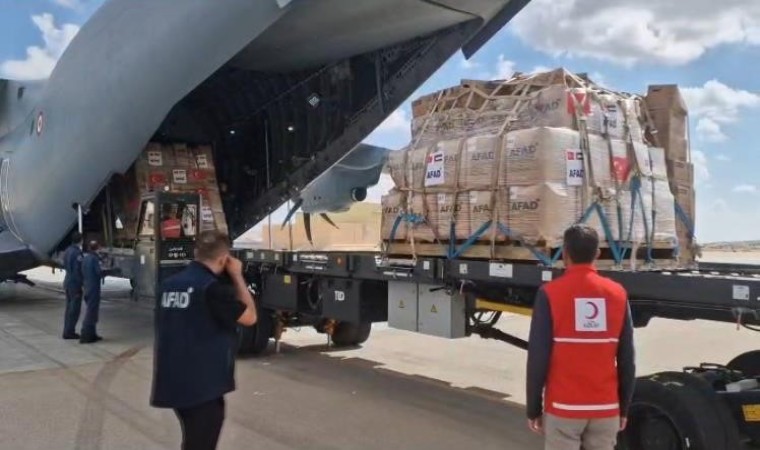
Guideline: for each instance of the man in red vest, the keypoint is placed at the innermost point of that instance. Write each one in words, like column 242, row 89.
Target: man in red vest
column 581, row 369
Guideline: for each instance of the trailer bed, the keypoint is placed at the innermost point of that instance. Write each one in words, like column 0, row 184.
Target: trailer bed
column 725, row 293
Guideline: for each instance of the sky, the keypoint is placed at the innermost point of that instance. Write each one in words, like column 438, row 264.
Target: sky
column 623, row 44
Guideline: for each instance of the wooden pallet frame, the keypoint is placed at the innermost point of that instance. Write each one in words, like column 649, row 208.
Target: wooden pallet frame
column 664, row 253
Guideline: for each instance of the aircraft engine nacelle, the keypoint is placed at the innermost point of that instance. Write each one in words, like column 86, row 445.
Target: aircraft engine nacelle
column 358, row 194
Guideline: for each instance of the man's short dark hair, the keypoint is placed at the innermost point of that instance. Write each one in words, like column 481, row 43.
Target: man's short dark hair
column 76, row 237
column 211, row 244
column 581, row 244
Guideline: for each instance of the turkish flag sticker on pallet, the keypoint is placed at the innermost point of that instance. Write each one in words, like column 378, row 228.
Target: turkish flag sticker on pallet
column 578, row 98
column 621, row 168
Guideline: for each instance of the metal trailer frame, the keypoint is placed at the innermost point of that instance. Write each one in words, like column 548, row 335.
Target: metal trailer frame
column 710, row 406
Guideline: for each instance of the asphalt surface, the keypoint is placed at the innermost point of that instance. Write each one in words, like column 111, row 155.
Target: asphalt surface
column 65, row 395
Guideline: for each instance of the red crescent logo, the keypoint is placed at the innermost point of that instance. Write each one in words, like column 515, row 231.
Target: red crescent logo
column 595, row 308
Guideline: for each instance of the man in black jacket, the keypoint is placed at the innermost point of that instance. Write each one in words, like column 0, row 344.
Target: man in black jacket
column 196, row 319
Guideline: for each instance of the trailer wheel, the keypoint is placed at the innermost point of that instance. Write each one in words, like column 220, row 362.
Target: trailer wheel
column 667, row 415
column 726, row 430
column 349, row 334
column 747, row 363
column 254, row 340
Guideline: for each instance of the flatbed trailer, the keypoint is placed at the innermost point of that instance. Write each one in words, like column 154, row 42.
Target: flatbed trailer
column 708, row 406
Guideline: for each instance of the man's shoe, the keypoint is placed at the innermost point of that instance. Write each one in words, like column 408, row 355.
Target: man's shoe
column 90, row 340
column 71, row 336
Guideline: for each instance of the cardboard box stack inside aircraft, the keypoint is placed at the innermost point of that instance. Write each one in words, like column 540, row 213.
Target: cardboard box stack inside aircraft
column 180, row 168
column 523, row 159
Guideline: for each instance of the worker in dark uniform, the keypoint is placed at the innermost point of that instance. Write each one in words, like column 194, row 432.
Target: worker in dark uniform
column 196, row 319
column 93, row 276
column 581, row 367
column 72, row 285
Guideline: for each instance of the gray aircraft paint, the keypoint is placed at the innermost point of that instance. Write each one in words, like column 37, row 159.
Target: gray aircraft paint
column 135, row 59
column 332, row 190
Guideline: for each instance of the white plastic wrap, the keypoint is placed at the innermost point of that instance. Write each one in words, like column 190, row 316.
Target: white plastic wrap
column 392, row 204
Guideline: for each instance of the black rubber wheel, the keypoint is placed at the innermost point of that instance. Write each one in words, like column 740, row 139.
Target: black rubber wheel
column 667, row 414
column 349, row 334
column 747, row 363
column 700, row 389
column 254, row 340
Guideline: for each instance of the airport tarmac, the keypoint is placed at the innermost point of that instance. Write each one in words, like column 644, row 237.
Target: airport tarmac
column 401, row 390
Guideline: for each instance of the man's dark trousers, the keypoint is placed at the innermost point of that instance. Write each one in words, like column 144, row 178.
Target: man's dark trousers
column 73, row 309
column 92, row 279
column 92, row 304
column 201, row 425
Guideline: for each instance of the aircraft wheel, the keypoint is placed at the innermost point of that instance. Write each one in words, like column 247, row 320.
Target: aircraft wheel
column 747, row 363
column 672, row 412
column 254, row 340
column 349, row 334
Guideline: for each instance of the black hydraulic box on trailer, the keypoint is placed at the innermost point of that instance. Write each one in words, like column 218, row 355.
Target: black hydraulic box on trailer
column 355, row 301
column 281, row 292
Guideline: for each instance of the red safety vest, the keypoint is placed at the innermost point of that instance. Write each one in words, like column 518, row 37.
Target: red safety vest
column 170, row 228
column 587, row 313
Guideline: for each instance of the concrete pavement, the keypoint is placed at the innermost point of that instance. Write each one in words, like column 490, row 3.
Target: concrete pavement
column 401, row 390
column 64, row 395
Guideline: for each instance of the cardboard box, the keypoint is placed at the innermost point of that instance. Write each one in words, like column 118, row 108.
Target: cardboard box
column 670, row 118
column 681, row 172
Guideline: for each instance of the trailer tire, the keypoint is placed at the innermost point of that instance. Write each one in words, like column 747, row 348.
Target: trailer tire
column 747, row 363
column 348, row 334
column 254, row 340
column 702, row 390
column 665, row 416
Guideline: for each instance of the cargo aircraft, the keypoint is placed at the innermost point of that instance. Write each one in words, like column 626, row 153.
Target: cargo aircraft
column 282, row 89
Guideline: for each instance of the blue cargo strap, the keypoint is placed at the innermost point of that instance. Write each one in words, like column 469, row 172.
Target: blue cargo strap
column 685, row 219
column 471, row 240
column 545, row 260
column 636, row 195
column 596, row 207
column 410, row 218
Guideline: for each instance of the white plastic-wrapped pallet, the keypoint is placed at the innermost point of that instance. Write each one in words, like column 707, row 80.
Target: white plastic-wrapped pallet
column 479, row 169
column 398, row 168
column 423, row 206
column 643, row 158
column 416, row 165
column 482, row 210
column 541, row 212
column 611, row 113
column 547, row 154
column 449, row 209
column 441, row 164
column 534, row 155
column 614, row 212
column 658, row 162
column 393, row 205
column 663, row 209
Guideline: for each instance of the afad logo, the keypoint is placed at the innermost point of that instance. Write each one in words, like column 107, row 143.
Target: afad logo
column 525, row 205
column 578, row 99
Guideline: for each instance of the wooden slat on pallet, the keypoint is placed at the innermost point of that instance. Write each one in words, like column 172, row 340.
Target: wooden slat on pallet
column 514, row 253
